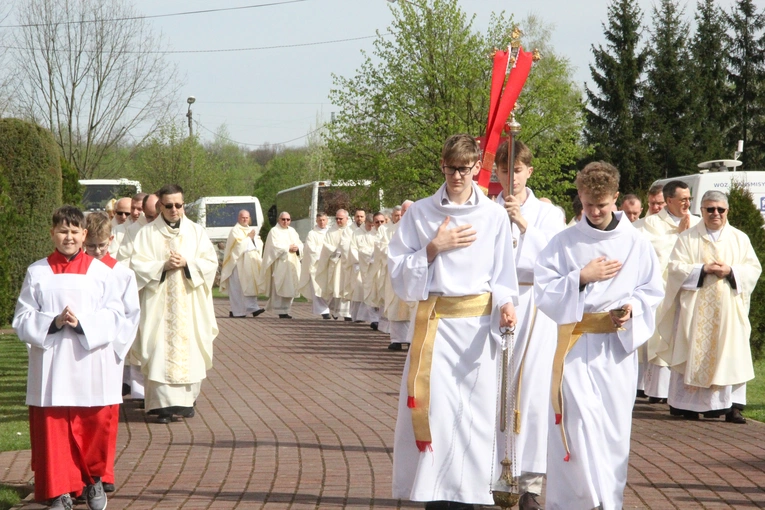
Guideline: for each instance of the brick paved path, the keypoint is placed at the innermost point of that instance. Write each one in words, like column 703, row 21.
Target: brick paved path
column 300, row 414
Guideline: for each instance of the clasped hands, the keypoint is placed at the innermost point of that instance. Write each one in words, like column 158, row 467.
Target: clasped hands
column 176, row 261
column 719, row 269
column 66, row 318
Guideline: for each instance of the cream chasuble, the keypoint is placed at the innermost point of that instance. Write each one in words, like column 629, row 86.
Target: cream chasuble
column 329, row 270
column 280, row 263
column 705, row 331
column 177, row 307
column 125, row 249
column 311, row 252
column 243, row 254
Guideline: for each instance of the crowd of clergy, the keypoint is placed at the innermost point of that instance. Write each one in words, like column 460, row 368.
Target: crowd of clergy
column 653, row 307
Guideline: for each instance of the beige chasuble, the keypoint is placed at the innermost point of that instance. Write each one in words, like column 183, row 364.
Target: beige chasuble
column 281, row 263
column 244, row 254
column 311, row 252
column 329, row 270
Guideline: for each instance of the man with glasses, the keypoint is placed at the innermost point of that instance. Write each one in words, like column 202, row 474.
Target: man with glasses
column 704, row 326
column 241, row 274
column 119, row 224
column 662, row 230
column 281, row 266
column 311, row 253
column 329, row 270
column 175, row 265
column 453, row 255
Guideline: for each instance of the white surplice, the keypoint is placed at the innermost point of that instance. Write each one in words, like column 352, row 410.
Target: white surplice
column 241, row 275
column 661, row 229
column 125, row 248
column 466, row 352
column 118, row 232
column 600, row 376
column 281, row 268
column 534, row 335
column 67, row 368
column 177, row 317
column 397, row 311
column 329, row 269
column 309, row 265
column 705, row 330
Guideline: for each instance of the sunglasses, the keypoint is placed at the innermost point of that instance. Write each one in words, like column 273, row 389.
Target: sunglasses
column 711, row 210
column 122, row 213
column 170, row 206
column 285, row 219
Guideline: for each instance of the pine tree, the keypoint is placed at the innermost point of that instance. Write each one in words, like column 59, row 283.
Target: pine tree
column 746, row 74
column 614, row 124
column 709, row 83
column 667, row 97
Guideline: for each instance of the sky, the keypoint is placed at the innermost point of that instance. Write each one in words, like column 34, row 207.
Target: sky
column 278, row 96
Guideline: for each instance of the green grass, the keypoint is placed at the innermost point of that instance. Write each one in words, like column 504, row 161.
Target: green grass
column 14, row 416
column 9, row 496
column 755, row 393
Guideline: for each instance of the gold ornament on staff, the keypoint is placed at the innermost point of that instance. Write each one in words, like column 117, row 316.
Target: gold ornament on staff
column 505, row 490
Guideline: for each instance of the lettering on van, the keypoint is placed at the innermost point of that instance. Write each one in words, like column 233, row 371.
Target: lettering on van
column 746, row 184
column 762, row 204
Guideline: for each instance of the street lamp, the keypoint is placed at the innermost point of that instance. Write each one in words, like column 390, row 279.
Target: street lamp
column 190, row 100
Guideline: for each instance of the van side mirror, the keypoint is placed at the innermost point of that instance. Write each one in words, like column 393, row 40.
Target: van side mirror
column 272, row 219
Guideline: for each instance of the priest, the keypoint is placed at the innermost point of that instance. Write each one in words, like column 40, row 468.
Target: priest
column 281, row 266
column 241, row 274
column 311, row 252
column 175, row 264
column 329, row 271
column 704, row 326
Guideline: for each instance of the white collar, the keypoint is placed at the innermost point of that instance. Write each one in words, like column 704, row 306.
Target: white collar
column 446, row 201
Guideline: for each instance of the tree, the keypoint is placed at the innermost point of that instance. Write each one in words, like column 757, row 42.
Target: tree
column 709, row 83
column 237, row 173
column 614, row 123
column 432, row 80
column 90, row 72
column 746, row 74
column 668, row 111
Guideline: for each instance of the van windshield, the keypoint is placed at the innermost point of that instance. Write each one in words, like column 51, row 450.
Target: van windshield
column 226, row 215
column 96, row 196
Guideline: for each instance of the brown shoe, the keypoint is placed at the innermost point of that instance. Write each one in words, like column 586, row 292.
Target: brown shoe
column 529, row 501
column 735, row 416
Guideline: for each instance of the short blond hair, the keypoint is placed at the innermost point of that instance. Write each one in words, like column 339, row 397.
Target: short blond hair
column 461, row 149
column 99, row 226
column 598, row 179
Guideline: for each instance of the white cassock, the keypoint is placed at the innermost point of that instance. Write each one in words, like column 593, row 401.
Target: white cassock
column 379, row 271
column 361, row 255
column 466, row 353
column 661, row 229
column 533, row 337
column 309, row 265
column 177, row 317
column 353, row 287
column 118, row 232
column 705, row 329
column 397, row 311
column 67, row 368
column 281, row 268
column 329, row 270
column 241, row 275
column 600, row 377
column 125, row 248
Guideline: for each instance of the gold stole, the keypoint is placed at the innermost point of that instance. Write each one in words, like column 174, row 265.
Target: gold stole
column 421, row 353
column 568, row 335
column 703, row 348
column 177, row 303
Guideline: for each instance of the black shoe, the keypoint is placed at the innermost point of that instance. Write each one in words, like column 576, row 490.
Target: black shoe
column 348, row 319
column 715, row 414
column 448, row 505
column 735, row 416
column 285, row 316
column 125, row 389
column 183, row 412
column 109, row 487
column 674, row 411
column 373, row 325
column 231, row 315
column 258, row 312
column 335, row 318
column 654, row 400
column 164, row 416
column 690, row 415
column 141, row 403
column 640, row 394
column 326, row 316
column 529, row 501
column 394, row 346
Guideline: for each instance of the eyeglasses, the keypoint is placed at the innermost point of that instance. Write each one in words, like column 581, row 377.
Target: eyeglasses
column 170, row 206
column 711, row 210
column 285, row 219
column 463, row 170
column 339, row 218
column 122, row 213
column 94, row 247
column 684, row 200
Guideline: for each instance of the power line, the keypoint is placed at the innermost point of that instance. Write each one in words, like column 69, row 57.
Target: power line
column 226, row 50
column 257, row 144
column 129, row 18
column 258, row 103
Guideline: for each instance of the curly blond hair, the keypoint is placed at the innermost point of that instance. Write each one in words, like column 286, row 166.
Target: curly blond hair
column 598, row 179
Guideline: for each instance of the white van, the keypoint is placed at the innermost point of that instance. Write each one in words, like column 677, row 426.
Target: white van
column 702, row 182
column 219, row 214
column 98, row 192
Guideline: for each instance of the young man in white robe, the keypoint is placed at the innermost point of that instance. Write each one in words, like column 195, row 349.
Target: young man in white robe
column 281, row 266
column 311, row 252
column 600, row 281
column 704, row 321
column 241, row 274
column 533, row 223
column 175, row 265
column 452, row 253
column 96, row 245
column 330, row 274
column 662, row 230
column 71, row 316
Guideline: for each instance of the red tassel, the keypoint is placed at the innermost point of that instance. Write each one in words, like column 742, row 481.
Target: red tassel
column 424, row 445
column 567, row 457
column 410, row 402
column 558, row 418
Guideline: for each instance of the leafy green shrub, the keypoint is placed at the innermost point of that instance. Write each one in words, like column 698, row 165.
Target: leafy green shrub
column 30, row 190
column 71, row 191
column 745, row 216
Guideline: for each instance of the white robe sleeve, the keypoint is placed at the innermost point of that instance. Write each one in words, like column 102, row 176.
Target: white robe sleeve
column 132, row 307
column 408, row 267
column 504, row 280
column 556, row 285
column 32, row 324
column 204, row 265
column 747, row 272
